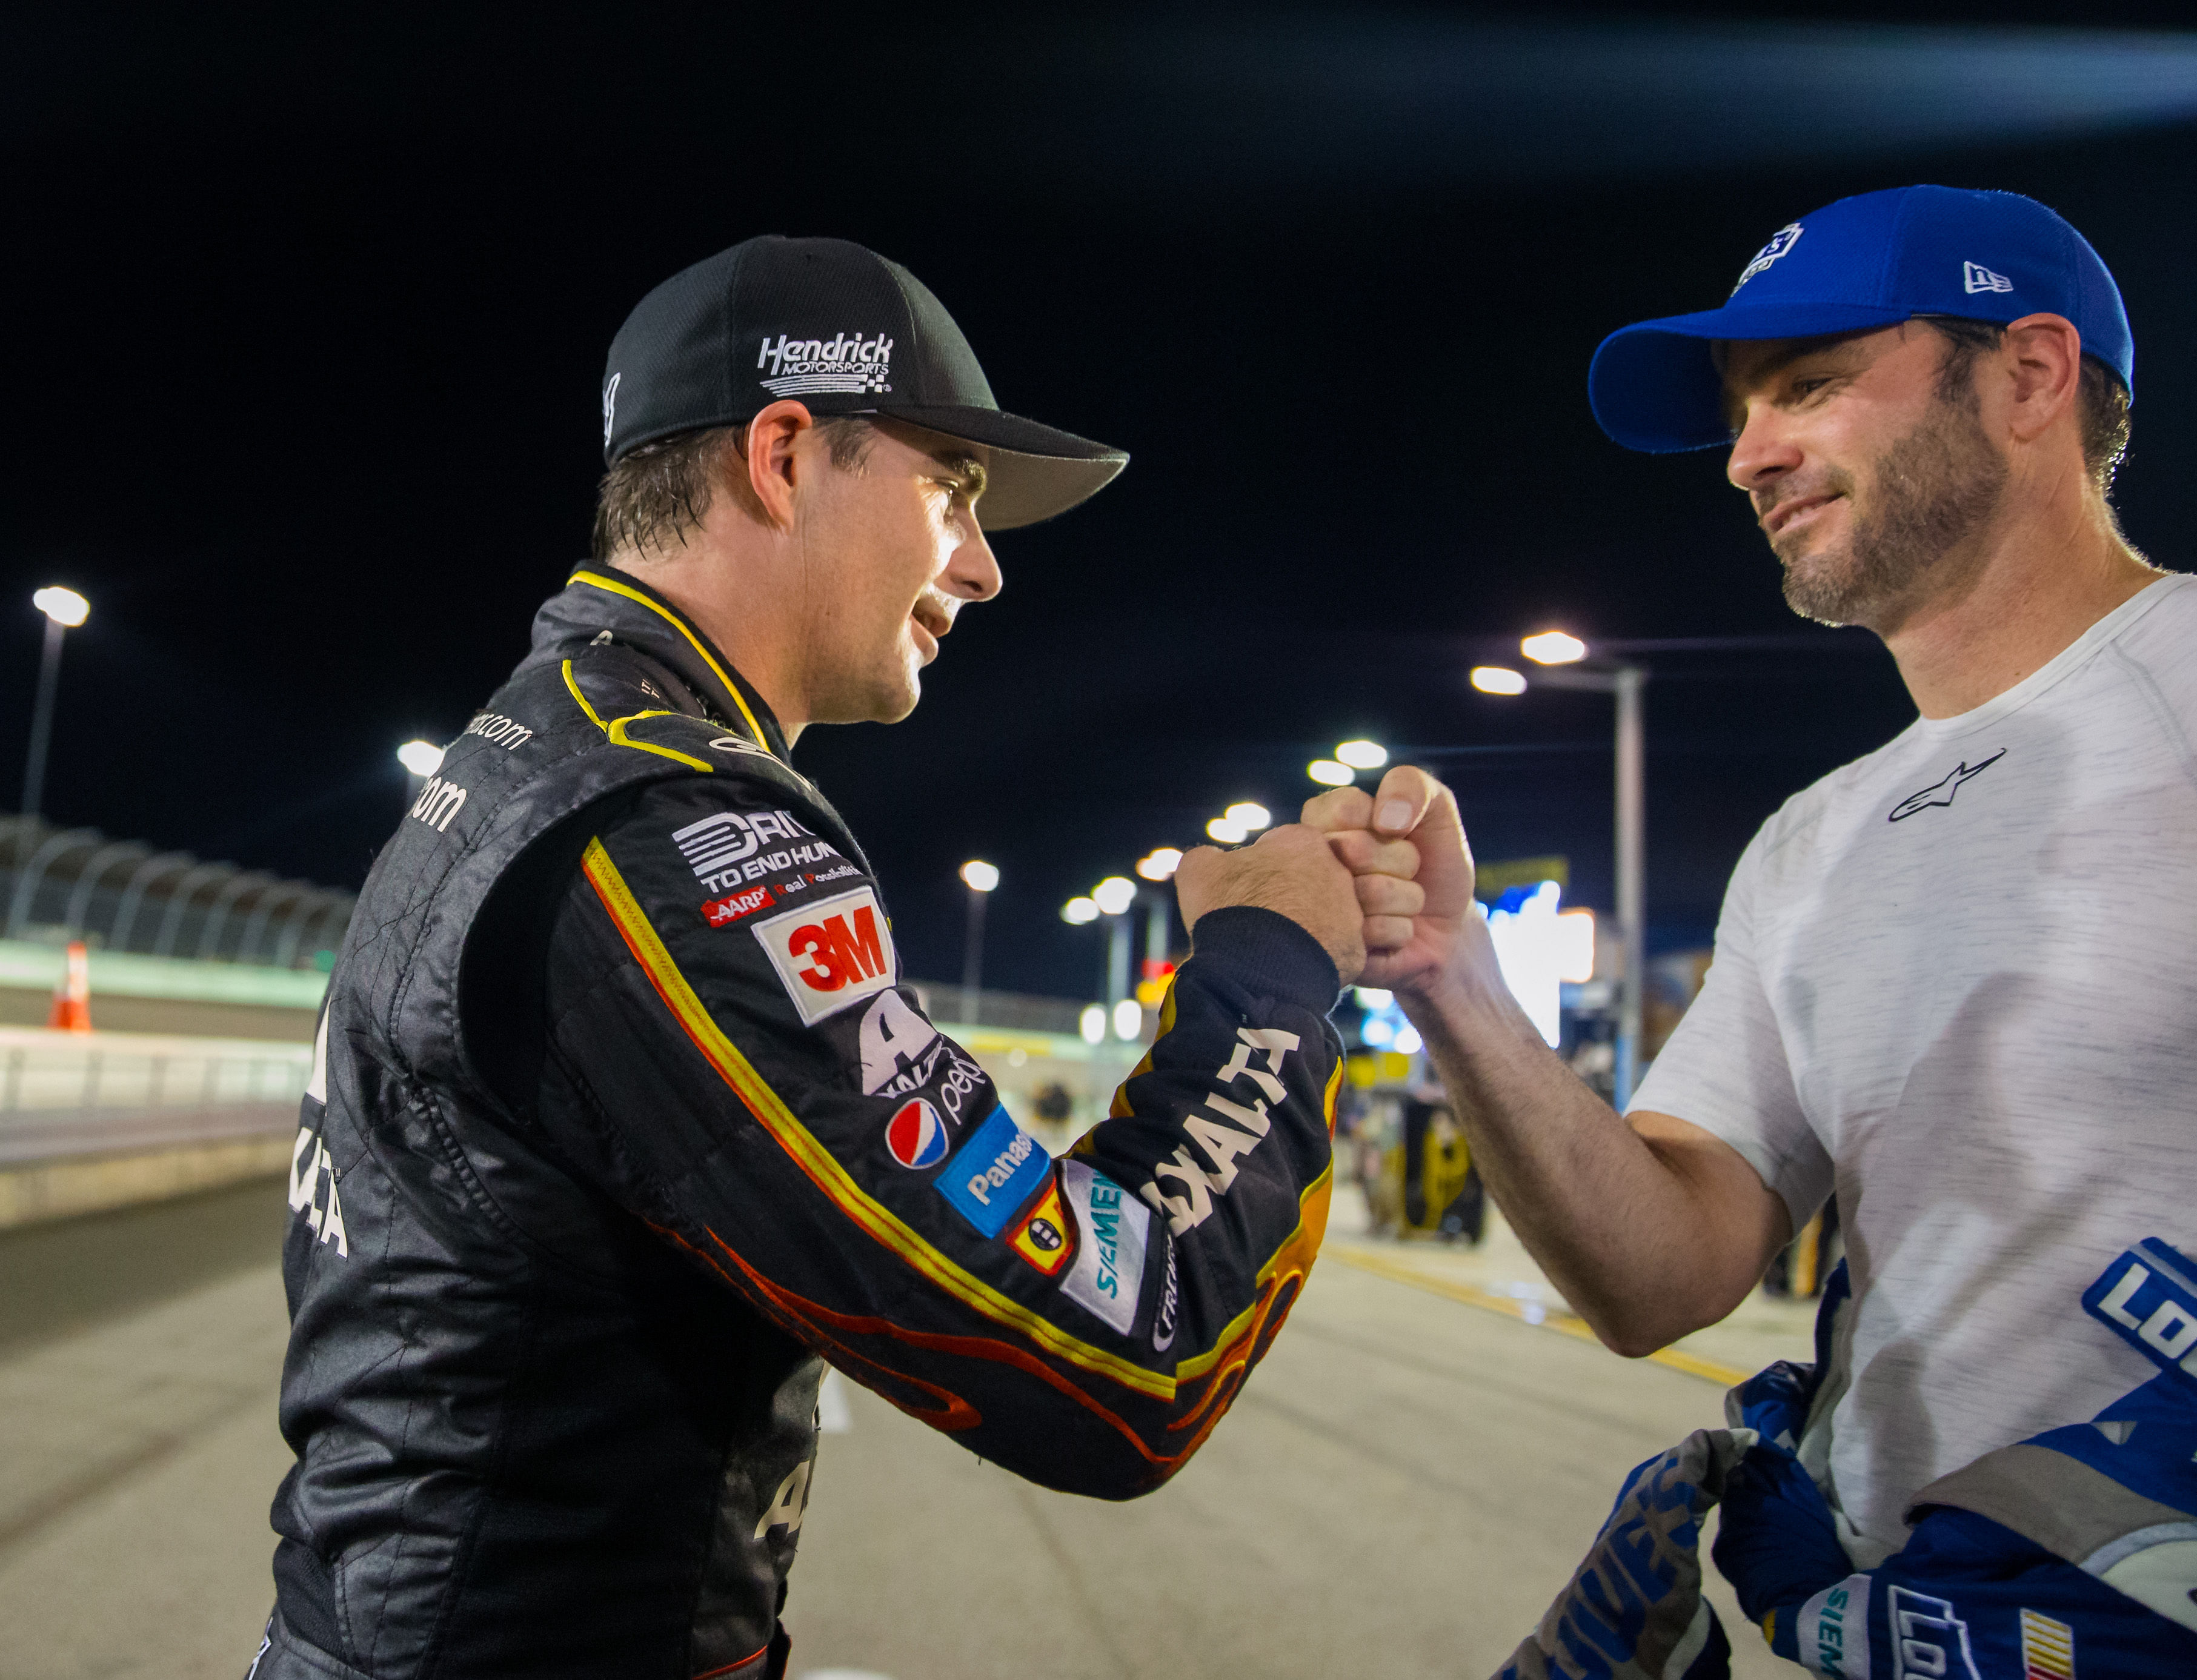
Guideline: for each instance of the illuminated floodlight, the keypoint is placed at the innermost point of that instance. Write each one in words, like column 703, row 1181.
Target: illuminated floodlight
column 421, row 758
column 1329, row 773
column 1498, row 680
column 1129, row 1019
column 1078, row 911
column 1162, row 862
column 64, row 606
column 1371, row 997
column 1529, row 950
column 1249, row 817
column 982, row 877
column 1408, row 1041
column 1553, row 647
column 1575, row 947
column 1226, row 833
column 1114, row 895
column 1363, row 754
column 1091, row 1023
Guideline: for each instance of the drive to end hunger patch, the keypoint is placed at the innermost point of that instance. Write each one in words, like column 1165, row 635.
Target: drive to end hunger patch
column 998, row 1169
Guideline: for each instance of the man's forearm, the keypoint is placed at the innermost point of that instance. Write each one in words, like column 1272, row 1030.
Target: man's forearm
column 1639, row 1234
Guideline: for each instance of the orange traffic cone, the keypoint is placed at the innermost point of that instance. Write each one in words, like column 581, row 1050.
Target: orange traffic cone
column 72, row 1010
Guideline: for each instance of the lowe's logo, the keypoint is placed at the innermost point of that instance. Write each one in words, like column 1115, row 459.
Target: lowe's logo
column 2149, row 1298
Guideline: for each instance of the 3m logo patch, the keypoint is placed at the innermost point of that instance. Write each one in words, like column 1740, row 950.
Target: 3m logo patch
column 998, row 1169
column 1045, row 1238
column 832, row 953
column 2047, row 1649
column 1110, row 1265
column 916, row 1135
column 723, row 912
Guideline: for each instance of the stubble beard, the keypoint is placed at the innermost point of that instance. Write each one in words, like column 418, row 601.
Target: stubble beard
column 1931, row 492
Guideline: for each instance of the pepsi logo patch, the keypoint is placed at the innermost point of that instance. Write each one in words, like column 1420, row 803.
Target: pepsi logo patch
column 916, row 1135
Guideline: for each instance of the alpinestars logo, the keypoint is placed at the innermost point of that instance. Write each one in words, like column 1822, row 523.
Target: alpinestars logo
column 849, row 363
column 1975, row 277
column 610, row 404
column 1780, row 242
column 1941, row 792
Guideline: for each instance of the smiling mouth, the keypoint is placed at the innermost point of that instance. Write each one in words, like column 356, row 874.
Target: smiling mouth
column 1786, row 513
column 933, row 623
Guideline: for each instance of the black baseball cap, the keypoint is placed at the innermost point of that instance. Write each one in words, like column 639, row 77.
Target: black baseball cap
column 842, row 330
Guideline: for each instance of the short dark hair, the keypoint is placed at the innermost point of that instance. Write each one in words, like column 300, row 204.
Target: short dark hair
column 2101, row 402
column 655, row 495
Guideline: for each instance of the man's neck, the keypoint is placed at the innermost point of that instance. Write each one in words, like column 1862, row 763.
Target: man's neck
column 2049, row 571
column 706, row 591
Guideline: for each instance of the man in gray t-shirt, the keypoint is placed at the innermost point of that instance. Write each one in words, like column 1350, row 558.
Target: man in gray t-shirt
column 1955, row 982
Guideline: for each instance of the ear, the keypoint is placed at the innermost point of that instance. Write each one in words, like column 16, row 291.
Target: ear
column 2042, row 361
column 777, row 458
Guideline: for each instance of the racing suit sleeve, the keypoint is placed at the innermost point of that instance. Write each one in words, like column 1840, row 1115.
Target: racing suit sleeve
column 731, row 1056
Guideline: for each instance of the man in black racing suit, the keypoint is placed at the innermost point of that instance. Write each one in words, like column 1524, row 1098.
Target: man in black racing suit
column 621, row 1122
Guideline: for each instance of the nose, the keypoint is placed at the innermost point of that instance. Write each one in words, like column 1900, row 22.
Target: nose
column 973, row 573
column 1764, row 449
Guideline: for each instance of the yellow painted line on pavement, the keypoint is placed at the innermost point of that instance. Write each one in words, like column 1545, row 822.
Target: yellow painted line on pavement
column 1525, row 1312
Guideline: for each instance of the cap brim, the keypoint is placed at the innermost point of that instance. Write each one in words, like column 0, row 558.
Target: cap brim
column 1653, row 385
column 1032, row 472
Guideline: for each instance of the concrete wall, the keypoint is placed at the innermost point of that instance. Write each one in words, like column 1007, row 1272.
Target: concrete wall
column 54, row 1189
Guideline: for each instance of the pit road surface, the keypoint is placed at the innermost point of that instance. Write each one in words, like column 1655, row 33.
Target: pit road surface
column 1398, row 1491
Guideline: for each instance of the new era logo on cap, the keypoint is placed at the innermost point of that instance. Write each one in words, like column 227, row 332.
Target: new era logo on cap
column 1975, row 277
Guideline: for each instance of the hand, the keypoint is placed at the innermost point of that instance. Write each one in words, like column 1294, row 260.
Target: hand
column 1291, row 872
column 1406, row 836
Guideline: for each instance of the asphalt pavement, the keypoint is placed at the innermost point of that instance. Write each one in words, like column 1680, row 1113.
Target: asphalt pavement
column 1399, row 1489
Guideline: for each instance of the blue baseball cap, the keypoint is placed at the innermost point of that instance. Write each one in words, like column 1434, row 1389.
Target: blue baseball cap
column 1861, row 263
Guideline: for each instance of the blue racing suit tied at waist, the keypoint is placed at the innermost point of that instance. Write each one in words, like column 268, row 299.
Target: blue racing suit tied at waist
column 2072, row 1552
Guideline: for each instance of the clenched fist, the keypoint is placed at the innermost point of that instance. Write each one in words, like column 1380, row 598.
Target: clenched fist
column 1405, row 847
column 1292, row 871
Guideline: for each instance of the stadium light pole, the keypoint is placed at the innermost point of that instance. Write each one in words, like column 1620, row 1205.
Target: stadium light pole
column 64, row 610
column 980, row 878
column 1555, row 651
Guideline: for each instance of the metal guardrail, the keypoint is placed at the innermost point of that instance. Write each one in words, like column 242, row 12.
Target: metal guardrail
column 124, row 895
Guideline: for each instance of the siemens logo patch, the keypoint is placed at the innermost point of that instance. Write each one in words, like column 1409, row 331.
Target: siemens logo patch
column 1109, row 1269
column 998, row 1169
column 1833, row 1630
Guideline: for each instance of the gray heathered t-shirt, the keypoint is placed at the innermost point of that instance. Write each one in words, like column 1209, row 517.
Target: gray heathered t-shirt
column 1955, row 984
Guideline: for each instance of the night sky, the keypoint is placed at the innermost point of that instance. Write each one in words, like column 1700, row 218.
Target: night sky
column 309, row 318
